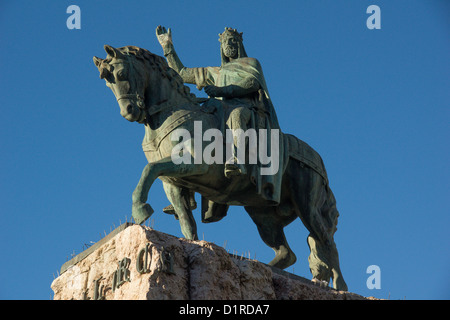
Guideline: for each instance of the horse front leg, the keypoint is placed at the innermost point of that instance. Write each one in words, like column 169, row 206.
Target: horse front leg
column 180, row 199
column 141, row 211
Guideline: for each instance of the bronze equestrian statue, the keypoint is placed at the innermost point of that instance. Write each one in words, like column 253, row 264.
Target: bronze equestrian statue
column 151, row 91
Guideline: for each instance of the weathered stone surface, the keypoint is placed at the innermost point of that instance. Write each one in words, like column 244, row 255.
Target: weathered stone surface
column 103, row 263
column 213, row 275
column 178, row 269
column 256, row 280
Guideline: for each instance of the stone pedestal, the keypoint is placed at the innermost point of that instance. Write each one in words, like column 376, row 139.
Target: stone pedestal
column 138, row 263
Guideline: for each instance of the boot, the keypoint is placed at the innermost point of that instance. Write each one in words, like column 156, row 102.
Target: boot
column 234, row 169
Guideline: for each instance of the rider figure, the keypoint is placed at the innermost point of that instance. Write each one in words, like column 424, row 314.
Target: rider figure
column 238, row 82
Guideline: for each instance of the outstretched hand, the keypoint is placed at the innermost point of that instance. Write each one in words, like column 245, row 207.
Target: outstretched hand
column 164, row 36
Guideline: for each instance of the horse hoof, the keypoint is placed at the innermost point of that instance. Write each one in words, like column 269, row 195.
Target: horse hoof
column 283, row 259
column 169, row 209
column 339, row 284
column 141, row 212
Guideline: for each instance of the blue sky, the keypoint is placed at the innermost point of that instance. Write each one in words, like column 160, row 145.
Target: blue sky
column 374, row 104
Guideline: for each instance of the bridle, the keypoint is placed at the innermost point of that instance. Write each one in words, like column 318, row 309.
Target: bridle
column 139, row 99
column 135, row 97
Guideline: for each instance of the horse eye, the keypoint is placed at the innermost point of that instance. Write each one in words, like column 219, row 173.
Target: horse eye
column 121, row 75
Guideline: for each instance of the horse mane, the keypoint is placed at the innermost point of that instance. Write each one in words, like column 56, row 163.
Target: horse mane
column 159, row 63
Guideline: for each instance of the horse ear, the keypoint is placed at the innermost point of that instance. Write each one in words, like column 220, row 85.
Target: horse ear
column 97, row 61
column 113, row 52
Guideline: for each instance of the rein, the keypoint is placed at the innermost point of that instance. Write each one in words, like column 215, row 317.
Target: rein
column 136, row 97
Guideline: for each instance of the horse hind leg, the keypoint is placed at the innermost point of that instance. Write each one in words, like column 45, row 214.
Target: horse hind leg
column 324, row 262
column 324, row 257
column 314, row 203
column 270, row 228
column 330, row 213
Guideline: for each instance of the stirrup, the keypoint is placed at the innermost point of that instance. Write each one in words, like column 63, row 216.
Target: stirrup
column 233, row 169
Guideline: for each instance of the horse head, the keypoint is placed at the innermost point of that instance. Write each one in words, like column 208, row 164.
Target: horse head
column 123, row 75
column 141, row 82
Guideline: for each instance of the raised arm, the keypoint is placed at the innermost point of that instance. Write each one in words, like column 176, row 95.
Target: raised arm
column 165, row 40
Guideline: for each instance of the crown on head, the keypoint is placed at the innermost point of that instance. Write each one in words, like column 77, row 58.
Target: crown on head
column 230, row 32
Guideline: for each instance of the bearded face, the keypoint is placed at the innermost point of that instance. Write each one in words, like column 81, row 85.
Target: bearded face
column 230, row 47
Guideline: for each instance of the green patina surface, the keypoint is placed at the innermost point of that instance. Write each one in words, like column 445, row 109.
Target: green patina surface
column 150, row 90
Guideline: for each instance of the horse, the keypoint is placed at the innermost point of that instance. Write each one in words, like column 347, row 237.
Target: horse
column 149, row 92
